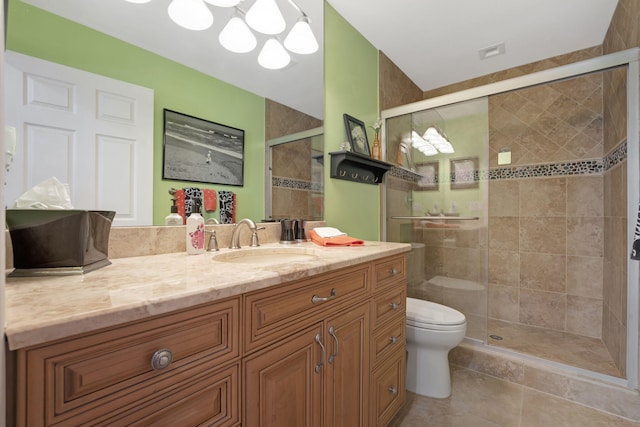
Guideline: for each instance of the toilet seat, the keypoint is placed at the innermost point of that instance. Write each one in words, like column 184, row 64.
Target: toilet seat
column 429, row 315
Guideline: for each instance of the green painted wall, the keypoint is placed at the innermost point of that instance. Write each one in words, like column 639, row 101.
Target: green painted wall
column 351, row 86
column 35, row 32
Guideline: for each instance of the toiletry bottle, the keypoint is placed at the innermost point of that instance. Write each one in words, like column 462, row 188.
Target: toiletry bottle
column 195, row 230
column 174, row 217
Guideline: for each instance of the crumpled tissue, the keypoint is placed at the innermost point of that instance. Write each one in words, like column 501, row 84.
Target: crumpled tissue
column 49, row 194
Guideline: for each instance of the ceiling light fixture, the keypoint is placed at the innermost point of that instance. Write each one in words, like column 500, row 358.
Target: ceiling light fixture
column 263, row 16
column 432, row 142
column 300, row 39
column 236, row 36
column 273, row 55
column 190, row 14
column 223, row 3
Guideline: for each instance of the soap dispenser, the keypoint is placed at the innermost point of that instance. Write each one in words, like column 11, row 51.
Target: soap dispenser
column 195, row 230
column 174, row 217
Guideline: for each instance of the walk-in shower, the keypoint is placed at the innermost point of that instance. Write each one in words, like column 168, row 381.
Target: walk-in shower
column 526, row 223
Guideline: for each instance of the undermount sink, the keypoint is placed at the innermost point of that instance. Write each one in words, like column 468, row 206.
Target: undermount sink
column 267, row 256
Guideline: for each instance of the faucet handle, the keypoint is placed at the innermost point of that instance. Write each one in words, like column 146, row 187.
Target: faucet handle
column 254, row 236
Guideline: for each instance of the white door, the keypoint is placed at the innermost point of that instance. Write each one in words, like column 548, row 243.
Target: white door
column 87, row 130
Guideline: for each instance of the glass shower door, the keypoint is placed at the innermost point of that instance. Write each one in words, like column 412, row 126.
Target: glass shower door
column 436, row 199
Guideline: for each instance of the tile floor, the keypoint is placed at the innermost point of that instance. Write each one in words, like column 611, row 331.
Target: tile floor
column 479, row 400
column 576, row 350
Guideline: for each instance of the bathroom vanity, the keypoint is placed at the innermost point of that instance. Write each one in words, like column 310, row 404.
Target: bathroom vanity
column 174, row 339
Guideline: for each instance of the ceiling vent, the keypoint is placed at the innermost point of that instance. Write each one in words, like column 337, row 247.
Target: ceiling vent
column 491, row 51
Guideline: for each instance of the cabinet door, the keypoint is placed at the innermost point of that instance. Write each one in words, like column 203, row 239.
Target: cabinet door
column 347, row 388
column 283, row 383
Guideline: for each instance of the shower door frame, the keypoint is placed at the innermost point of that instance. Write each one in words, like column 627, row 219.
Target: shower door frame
column 629, row 58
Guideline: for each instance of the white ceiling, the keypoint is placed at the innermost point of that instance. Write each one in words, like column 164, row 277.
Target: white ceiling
column 435, row 42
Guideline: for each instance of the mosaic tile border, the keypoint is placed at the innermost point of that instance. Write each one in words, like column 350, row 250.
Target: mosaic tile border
column 578, row 167
column 295, row 184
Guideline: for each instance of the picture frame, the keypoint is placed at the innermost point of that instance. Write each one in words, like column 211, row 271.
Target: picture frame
column 463, row 173
column 199, row 150
column 429, row 179
column 357, row 135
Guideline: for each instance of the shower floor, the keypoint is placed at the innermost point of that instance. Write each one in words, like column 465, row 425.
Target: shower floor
column 575, row 350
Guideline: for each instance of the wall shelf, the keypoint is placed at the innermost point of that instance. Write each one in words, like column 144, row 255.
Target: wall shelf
column 356, row 167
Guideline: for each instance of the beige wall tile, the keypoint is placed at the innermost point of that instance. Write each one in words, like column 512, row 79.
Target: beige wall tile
column 585, row 236
column 584, row 316
column 543, row 197
column 545, row 272
column 503, row 233
column 543, row 234
column 504, row 198
column 584, row 276
column 544, row 309
column 504, row 267
column 585, row 196
column 504, row 303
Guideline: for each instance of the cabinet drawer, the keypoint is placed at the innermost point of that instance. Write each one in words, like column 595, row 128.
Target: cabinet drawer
column 389, row 305
column 100, row 373
column 205, row 399
column 280, row 310
column 388, row 339
column 390, row 271
column 388, row 389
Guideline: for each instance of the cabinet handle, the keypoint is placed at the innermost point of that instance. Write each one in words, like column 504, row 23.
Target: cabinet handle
column 394, row 305
column 393, row 390
column 332, row 332
column 318, row 339
column 393, row 340
column 393, row 271
column 161, row 359
column 316, row 299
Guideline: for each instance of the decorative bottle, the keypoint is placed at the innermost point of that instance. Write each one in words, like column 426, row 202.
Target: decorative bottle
column 195, row 231
column 375, row 149
column 174, row 217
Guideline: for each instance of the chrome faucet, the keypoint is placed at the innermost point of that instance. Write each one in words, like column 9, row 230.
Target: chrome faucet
column 235, row 236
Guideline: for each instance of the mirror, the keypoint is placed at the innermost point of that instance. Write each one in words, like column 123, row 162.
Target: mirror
column 298, row 86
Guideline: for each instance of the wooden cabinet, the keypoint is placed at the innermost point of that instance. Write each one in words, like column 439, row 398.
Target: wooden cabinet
column 317, row 378
column 388, row 345
column 110, row 377
column 324, row 351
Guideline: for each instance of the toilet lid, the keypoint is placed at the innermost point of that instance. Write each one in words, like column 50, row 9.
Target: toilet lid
column 430, row 313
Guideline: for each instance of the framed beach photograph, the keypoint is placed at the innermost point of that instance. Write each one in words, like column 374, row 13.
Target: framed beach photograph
column 198, row 150
column 357, row 135
column 428, row 180
column 463, row 173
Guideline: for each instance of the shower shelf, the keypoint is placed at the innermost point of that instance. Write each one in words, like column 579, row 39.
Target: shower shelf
column 357, row 167
column 437, row 217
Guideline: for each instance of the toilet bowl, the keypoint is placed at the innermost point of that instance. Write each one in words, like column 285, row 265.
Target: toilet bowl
column 432, row 331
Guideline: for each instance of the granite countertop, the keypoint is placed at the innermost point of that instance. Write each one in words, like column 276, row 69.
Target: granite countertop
column 42, row 309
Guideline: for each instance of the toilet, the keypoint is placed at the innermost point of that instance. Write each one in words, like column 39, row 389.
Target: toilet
column 432, row 331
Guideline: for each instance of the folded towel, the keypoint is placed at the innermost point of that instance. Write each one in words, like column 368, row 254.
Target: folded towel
column 328, row 232
column 341, row 240
column 209, row 200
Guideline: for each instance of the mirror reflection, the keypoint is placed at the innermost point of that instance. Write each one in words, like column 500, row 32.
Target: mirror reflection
column 233, row 89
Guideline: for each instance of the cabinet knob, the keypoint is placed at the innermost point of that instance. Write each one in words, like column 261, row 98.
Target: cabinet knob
column 394, row 305
column 393, row 271
column 393, row 390
column 161, row 359
column 393, row 340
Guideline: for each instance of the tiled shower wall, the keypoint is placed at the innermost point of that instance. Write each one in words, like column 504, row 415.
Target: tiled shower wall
column 557, row 233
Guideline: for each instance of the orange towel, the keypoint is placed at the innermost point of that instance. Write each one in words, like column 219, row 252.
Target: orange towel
column 334, row 241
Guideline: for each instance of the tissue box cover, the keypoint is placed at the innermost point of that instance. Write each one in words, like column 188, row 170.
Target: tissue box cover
column 48, row 241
